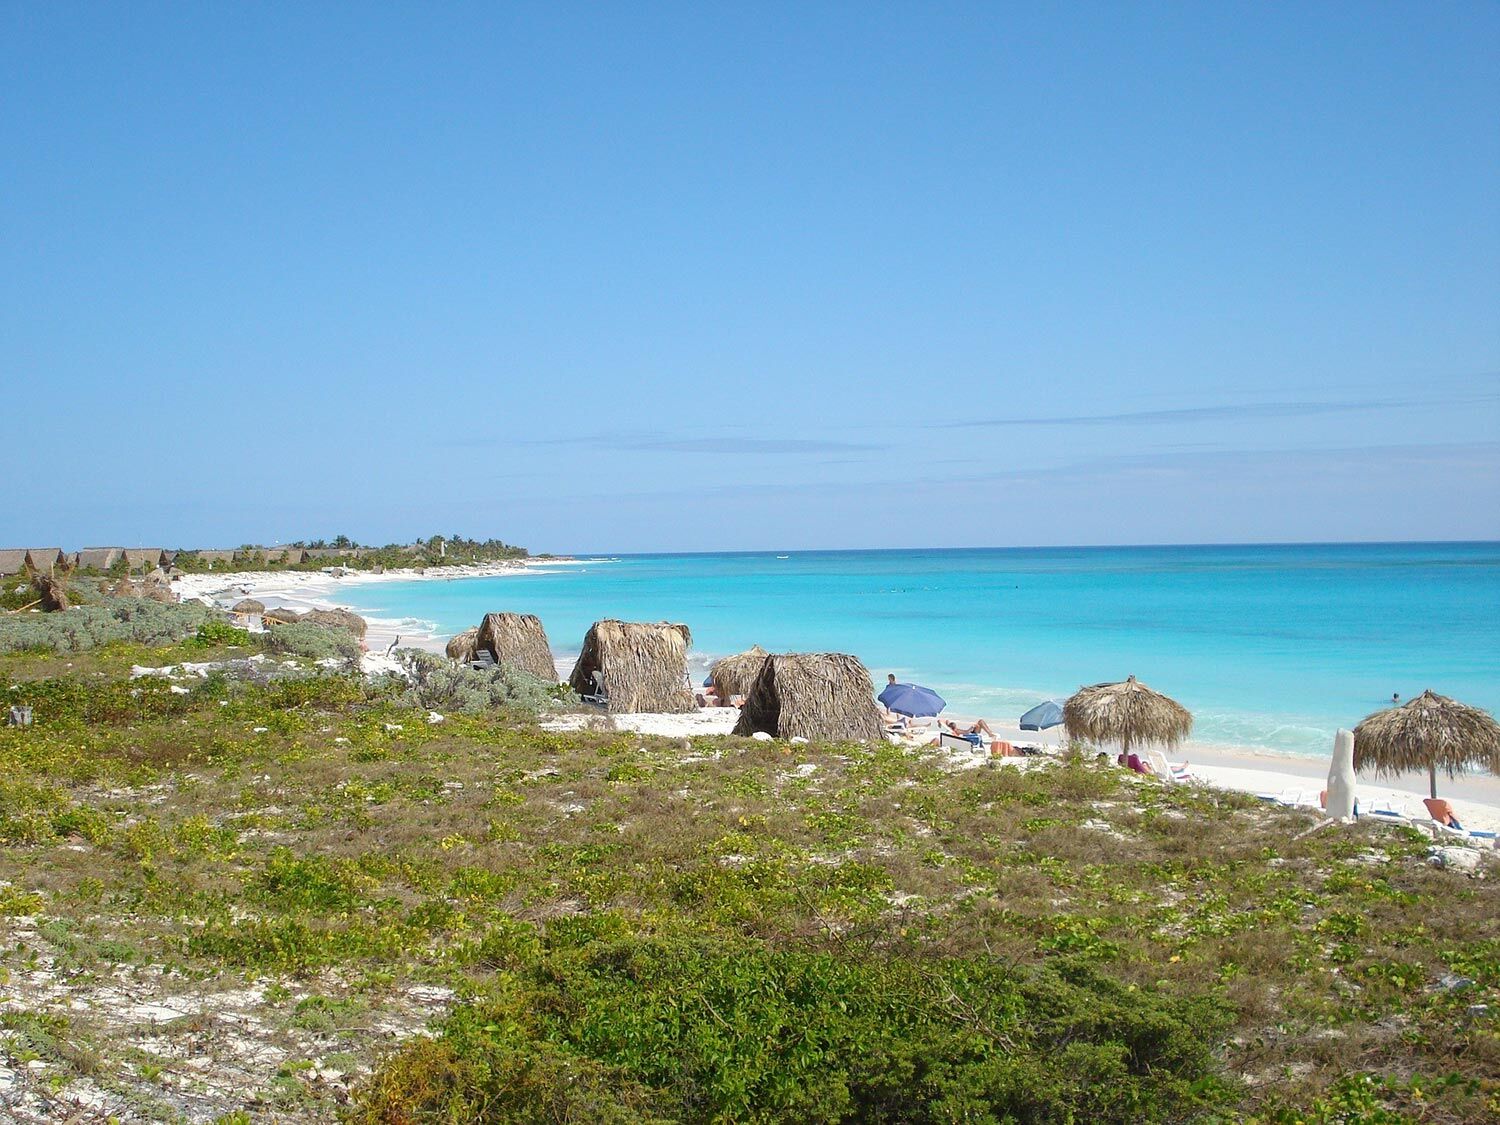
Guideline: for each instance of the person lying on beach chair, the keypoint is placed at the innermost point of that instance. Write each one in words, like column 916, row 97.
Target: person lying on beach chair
column 1133, row 762
column 1442, row 812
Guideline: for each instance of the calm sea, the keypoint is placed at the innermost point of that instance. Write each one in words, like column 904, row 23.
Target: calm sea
column 1268, row 646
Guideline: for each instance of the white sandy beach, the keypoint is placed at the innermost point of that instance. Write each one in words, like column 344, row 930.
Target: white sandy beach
column 1475, row 798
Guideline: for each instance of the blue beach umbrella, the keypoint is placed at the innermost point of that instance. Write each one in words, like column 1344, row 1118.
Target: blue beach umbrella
column 1043, row 716
column 911, row 700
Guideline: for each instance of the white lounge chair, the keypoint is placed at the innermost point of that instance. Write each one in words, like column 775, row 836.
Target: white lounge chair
column 952, row 742
column 1180, row 774
column 599, row 695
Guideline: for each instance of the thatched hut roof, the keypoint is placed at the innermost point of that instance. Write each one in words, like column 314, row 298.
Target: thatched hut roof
column 99, row 558
column 518, row 640
column 644, row 666
column 212, row 557
column 13, row 561
column 464, row 646
column 733, row 675
column 820, row 696
column 143, row 558
column 1430, row 732
column 1129, row 713
column 45, row 559
column 248, row 605
column 336, row 619
column 282, row 614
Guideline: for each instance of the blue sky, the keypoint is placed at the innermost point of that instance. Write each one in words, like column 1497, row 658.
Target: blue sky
column 659, row 277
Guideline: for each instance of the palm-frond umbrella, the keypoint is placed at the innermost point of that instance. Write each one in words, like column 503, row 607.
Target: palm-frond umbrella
column 1126, row 713
column 733, row 675
column 1430, row 732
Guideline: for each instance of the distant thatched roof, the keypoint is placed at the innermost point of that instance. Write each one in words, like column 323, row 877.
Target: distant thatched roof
column 248, row 605
column 143, row 558
column 45, row 558
column 282, row 614
column 1431, row 732
column 99, row 558
column 1129, row 713
column 13, row 561
column 464, row 646
column 644, row 666
column 517, row 639
column 336, row 619
column 733, row 675
column 820, row 696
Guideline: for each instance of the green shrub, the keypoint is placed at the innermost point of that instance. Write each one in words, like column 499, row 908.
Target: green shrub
column 439, row 684
column 703, row 1028
column 131, row 620
column 313, row 642
column 215, row 633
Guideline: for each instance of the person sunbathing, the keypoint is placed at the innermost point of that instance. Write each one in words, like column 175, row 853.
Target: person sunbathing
column 1133, row 762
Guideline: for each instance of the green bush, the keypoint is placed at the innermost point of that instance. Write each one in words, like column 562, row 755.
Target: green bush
column 700, row 1028
column 313, row 642
column 131, row 620
column 439, row 684
column 212, row 634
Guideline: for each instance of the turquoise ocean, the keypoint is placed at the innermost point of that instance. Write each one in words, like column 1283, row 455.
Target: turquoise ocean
column 1269, row 646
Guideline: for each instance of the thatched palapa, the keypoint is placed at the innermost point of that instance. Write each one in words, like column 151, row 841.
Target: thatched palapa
column 733, row 675
column 644, row 666
column 518, row 641
column 45, row 560
column 1128, row 713
column 248, row 605
column 336, row 619
column 281, row 615
column 142, row 558
column 464, row 646
column 98, row 558
column 1431, row 732
column 12, row 561
column 820, row 696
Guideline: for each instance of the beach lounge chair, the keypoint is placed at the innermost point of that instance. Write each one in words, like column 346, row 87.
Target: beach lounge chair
column 948, row 741
column 599, row 695
column 1167, row 771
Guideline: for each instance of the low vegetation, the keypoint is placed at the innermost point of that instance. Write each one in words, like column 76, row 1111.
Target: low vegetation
column 295, row 896
column 138, row 621
column 439, row 684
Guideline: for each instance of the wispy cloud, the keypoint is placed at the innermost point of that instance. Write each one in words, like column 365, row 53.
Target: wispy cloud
column 720, row 444
column 1227, row 412
column 1224, row 412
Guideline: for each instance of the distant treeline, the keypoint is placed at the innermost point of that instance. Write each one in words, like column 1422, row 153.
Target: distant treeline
column 437, row 550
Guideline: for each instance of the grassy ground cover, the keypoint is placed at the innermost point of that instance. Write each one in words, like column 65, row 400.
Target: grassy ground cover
column 290, row 899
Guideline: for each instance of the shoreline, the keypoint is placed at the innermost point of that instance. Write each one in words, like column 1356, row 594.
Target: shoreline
column 1475, row 797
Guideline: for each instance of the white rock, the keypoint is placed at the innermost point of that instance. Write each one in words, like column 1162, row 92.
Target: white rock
column 434, row 717
column 762, row 736
column 1459, row 859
